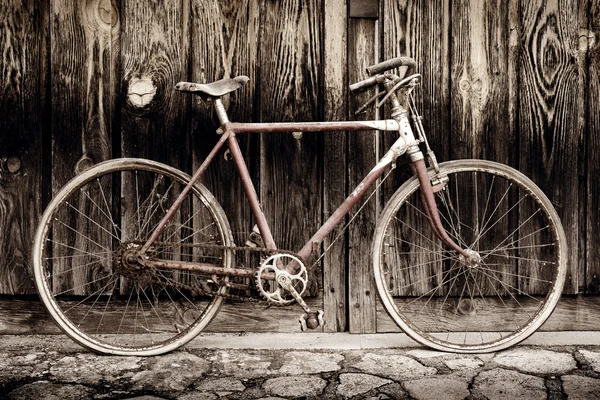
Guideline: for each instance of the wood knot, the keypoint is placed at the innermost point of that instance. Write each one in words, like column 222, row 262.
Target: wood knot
column 83, row 164
column 466, row 307
column 13, row 164
column 587, row 40
column 107, row 13
column 141, row 91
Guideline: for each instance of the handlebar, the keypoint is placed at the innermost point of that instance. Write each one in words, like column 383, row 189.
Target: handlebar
column 372, row 81
column 382, row 67
column 393, row 63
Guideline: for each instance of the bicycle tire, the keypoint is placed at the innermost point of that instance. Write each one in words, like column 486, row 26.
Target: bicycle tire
column 444, row 302
column 103, row 303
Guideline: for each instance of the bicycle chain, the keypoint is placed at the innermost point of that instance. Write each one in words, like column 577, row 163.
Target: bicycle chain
column 249, row 299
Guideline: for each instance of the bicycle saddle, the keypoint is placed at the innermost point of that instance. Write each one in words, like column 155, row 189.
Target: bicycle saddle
column 214, row 89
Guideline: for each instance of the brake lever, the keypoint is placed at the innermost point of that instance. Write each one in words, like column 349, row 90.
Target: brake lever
column 369, row 102
column 412, row 80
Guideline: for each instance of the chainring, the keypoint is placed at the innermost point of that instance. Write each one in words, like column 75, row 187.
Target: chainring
column 271, row 289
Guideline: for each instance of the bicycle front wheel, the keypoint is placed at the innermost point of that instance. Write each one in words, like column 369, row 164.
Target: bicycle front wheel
column 495, row 299
column 115, row 306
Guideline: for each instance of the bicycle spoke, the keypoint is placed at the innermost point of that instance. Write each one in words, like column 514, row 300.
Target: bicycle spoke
column 509, row 267
column 118, row 233
column 114, row 304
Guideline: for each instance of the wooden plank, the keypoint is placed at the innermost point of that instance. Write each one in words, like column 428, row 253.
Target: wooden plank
column 83, row 90
column 549, row 109
column 83, row 85
column 480, row 110
column 420, row 30
column 154, row 119
column 153, row 115
column 591, row 39
column 361, row 158
column 573, row 313
column 290, row 90
column 27, row 315
column 334, row 164
column 224, row 43
column 480, row 100
column 23, row 66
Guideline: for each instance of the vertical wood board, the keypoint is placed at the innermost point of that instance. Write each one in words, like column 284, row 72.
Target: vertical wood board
column 591, row 41
column 290, row 88
column 550, row 105
column 224, row 44
column 362, row 147
column 23, row 79
column 334, row 263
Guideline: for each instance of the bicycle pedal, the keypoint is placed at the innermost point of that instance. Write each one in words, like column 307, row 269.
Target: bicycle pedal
column 312, row 320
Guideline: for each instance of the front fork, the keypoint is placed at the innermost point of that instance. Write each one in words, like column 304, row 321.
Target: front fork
column 419, row 169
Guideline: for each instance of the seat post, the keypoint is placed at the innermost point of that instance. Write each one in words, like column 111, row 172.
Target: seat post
column 221, row 113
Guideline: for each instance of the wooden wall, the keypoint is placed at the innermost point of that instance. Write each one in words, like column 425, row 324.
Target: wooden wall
column 511, row 81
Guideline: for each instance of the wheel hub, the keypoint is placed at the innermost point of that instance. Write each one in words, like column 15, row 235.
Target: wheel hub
column 471, row 260
column 127, row 261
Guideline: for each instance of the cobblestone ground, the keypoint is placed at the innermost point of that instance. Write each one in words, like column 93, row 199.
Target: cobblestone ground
column 48, row 372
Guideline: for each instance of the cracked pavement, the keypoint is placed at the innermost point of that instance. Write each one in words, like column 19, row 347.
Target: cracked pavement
column 53, row 367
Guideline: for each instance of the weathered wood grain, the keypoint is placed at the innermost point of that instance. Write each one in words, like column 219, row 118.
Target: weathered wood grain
column 23, row 80
column 362, row 156
column 291, row 90
column 480, row 108
column 420, row 30
column 334, row 163
column 154, row 53
column 549, row 110
column 590, row 38
column 27, row 315
column 83, row 88
column 480, row 91
column 84, row 54
column 224, row 44
column 572, row 313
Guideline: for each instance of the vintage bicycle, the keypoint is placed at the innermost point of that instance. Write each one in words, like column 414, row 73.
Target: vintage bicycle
column 134, row 257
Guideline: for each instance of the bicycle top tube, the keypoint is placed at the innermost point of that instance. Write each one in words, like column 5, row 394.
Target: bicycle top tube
column 382, row 125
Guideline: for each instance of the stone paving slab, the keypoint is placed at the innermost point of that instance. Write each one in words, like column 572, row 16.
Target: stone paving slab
column 54, row 368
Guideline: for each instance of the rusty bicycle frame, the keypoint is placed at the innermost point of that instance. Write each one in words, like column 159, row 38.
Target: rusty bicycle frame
column 406, row 143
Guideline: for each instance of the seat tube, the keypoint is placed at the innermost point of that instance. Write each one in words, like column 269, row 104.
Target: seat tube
column 240, row 164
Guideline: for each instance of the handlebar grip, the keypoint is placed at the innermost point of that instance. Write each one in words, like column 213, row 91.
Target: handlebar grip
column 364, row 84
column 393, row 63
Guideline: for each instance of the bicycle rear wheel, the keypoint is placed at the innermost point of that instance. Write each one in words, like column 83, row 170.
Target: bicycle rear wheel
column 112, row 306
column 447, row 303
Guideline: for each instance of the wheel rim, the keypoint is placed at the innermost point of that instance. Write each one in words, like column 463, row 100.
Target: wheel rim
column 498, row 297
column 114, row 306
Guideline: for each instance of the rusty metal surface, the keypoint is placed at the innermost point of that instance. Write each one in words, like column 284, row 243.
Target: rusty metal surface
column 311, row 126
column 420, row 170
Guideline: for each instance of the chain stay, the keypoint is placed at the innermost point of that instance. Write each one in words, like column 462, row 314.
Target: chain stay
column 250, row 299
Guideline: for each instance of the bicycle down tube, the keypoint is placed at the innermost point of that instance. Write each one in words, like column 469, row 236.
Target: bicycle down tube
column 228, row 132
column 405, row 142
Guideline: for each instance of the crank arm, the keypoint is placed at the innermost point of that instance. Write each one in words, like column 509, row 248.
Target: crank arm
column 311, row 319
column 286, row 283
